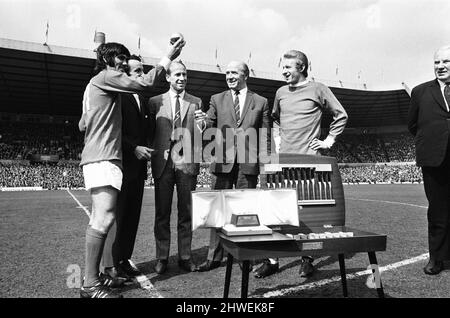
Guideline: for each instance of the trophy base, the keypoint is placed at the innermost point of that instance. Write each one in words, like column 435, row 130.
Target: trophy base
column 232, row 230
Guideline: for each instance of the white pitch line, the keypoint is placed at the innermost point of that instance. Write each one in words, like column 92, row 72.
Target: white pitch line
column 357, row 274
column 143, row 280
column 334, row 279
column 146, row 284
column 79, row 204
column 392, row 202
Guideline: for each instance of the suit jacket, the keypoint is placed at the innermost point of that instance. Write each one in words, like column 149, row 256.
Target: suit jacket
column 162, row 130
column 135, row 132
column 429, row 122
column 255, row 115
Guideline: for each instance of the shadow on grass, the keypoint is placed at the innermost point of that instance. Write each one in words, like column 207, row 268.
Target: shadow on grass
column 147, row 268
column 356, row 288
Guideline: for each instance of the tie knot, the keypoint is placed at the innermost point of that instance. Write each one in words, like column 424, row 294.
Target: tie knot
column 236, row 93
column 177, row 96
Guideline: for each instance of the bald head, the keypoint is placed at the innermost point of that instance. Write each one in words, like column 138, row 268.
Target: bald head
column 443, row 48
column 442, row 64
column 236, row 75
column 240, row 65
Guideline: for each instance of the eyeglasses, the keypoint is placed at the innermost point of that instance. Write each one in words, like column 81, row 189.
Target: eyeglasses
column 123, row 57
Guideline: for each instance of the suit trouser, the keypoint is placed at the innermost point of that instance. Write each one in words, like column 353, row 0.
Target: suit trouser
column 226, row 181
column 437, row 189
column 164, row 187
column 121, row 237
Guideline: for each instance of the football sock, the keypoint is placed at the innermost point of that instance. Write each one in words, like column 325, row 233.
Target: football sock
column 95, row 241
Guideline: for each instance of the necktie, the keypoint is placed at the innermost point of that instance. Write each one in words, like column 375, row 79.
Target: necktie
column 447, row 95
column 177, row 118
column 237, row 108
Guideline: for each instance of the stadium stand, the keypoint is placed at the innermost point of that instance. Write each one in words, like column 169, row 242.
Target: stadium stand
column 45, row 175
column 357, row 154
column 21, row 140
column 381, row 174
column 53, row 76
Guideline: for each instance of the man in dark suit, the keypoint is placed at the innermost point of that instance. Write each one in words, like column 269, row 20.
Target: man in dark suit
column 429, row 122
column 175, row 162
column 236, row 113
column 135, row 139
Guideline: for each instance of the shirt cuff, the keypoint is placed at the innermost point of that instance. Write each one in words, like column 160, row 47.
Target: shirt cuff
column 202, row 126
column 165, row 62
column 329, row 141
column 277, row 141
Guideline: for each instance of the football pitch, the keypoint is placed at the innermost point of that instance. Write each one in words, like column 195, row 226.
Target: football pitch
column 43, row 236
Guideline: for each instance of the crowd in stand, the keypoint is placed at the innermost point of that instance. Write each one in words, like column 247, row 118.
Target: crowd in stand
column 19, row 141
column 47, row 176
column 381, row 174
column 69, row 175
column 399, row 147
column 373, row 148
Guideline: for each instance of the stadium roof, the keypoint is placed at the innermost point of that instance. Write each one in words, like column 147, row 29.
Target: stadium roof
column 47, row 79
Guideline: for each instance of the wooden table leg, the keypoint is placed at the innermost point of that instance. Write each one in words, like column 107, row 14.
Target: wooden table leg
column 379, row 284
column 226, row 288
column 245, row 274
column 343, row 274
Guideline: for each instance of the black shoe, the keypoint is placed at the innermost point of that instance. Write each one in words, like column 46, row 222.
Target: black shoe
column 98, row 291
column 187, row 265
column 208, row 265
column 161, row 266
column 433, row 267
column 111, row 282
column 117, row 272
column 126, row 268
column 266, row 269
column 307, row 268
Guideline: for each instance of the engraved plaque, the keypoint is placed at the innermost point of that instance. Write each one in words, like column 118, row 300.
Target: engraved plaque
column 311, row 246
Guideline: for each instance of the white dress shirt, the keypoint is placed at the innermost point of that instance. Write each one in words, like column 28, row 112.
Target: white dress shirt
column 442, row 84
column 173, row 100
column 242, row 95
column 136, row 97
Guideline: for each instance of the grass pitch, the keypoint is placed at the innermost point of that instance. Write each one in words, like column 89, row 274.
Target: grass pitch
column 42, row 250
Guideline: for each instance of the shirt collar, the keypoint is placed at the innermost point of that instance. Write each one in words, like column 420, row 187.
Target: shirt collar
column 301, row 83
column 173, row 94
column 442, row 84
column 242, row 92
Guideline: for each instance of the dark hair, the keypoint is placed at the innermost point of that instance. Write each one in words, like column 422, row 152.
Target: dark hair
column 301, row 58
column 106, row 52
column 135, row 57
column 175, row 62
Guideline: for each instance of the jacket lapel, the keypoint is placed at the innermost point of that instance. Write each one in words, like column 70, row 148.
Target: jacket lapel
column 167, row 107
column 437, row 94
column 228, row 99
column 133, row 101
column 185, row 104
column 248, row 103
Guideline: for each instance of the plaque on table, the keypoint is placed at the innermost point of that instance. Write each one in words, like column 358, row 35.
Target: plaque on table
column 245, row 224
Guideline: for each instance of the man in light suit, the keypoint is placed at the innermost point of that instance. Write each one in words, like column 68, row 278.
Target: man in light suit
column 236, row 113
column 175, row 162
column 120, row 241
column 429, row 122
